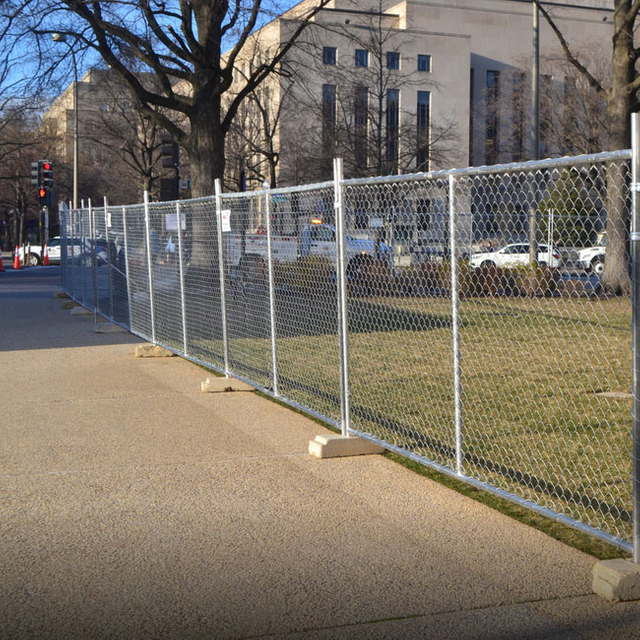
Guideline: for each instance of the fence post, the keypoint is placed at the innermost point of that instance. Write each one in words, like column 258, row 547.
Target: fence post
column 272, row 294
column 635, row 271
column 106, row 235
column 147, row 224
column 83, row 249
column 223, row 293
column 343, row 323
column 94, row 274
column 74, row 233
column 126, row 263
column 183, row 305
column 455, row 317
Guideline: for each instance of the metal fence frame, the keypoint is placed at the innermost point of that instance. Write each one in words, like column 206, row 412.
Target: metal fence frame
column 82, row 270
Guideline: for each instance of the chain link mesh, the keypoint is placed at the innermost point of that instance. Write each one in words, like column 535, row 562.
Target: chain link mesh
column 489, row 315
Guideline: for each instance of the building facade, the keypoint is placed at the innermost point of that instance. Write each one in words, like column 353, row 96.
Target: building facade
column 404, row 87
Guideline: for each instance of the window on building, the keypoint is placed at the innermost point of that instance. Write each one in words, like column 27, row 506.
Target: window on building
column 329, row 55
column 424, row 62
column 393, row 59
column 492, row 128
column 393, row 122
column 423, row 123
column 361, row 122
column 328, row 118
column 104, row 106
column 362, row 58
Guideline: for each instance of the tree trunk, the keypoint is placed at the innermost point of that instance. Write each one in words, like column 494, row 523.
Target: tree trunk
column 615, row 278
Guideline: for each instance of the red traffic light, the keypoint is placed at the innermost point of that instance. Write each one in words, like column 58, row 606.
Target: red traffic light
column 42, row 193
column 46, row 166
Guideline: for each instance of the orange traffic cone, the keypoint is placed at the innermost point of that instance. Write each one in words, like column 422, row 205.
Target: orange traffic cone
column 16, row 260
column 45, row 260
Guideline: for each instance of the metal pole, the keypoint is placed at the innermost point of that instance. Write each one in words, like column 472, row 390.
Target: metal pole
column 223, row 293
column 82, row 251
column 343, row 322
column 74, row 232
column 109, row 271
column 635, row 262
column 94, row 270
column 182, row 292
column 272, row 294
column 535, row 131
column 149, row 265
column 535, row 85
column 76, row 133
column 455, row 309
column 126, row 262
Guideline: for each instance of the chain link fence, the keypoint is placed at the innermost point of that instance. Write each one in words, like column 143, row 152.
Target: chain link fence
column 478, row 320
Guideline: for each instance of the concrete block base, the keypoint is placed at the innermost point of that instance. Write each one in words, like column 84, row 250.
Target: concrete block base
column 617, row 580
column 81, row 311
column 60, row 294
column 336, row 446
column 109, row 327
column 151, row 351
column 69, row 304
column 220, row 385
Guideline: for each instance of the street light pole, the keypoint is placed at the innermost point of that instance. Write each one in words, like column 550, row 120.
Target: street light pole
column 60, row 37
column 535, row 132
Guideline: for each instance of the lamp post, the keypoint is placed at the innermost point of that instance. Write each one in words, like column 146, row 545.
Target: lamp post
column 535, row 130
column 60, row 37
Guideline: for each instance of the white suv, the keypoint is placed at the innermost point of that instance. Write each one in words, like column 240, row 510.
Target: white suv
column 592, row 258
column 514, row 255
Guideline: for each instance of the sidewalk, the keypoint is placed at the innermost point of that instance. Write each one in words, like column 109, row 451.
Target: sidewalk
column 132, row 505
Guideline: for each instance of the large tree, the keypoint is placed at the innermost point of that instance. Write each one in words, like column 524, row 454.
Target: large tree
column 620, row 95
column 183, row 43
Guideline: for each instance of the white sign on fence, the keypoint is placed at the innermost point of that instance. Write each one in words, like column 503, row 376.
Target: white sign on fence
column 225, row 219
column 171, row 221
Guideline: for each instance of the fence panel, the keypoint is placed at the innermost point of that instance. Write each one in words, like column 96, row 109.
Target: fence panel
column 306, row 308
column 400, row 336
column 246, row 286
column 202, row 281
column 138, row 270
column 546, row 352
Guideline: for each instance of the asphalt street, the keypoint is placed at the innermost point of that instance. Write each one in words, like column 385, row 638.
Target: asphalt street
column 134, row 506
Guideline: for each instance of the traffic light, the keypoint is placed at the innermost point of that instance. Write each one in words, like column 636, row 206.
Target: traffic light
column 47, row 175
column 35, row 174
column 170, row 154
column 42, row 176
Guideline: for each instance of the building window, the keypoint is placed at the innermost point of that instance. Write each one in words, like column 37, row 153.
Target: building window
column 493, row 90
column 393, row 60
column 361, row 121
column 329, row 55
column 328, row 117
column 424, row 62
column 104, row 106
column 393, row 121
column 423, row 132
column 362, row 58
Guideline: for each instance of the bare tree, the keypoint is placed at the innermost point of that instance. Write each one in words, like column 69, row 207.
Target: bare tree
column 620, row 95
column 182, row 44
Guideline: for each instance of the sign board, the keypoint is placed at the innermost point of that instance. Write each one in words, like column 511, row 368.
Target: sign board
column 171, row 221
column 225, row 220
column 185, row 184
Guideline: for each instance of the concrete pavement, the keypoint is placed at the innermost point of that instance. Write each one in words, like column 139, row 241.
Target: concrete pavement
column 133, row 505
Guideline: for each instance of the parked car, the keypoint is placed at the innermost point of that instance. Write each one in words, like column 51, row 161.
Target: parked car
column 54, row 247
column 516, row 254
column 592, row 258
